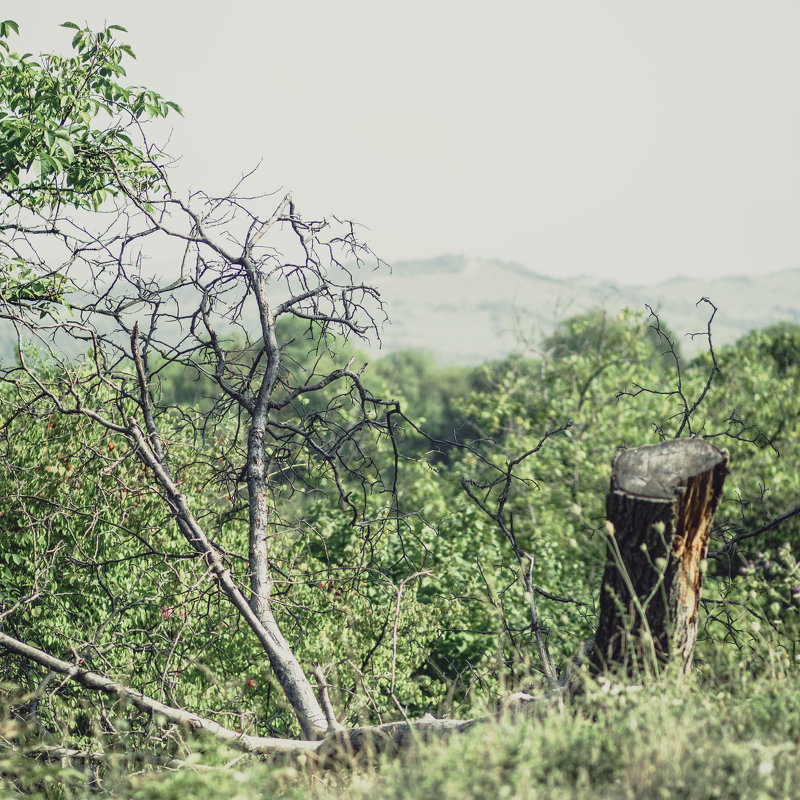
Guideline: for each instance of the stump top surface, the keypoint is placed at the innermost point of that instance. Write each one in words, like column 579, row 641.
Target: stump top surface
column 658, row 470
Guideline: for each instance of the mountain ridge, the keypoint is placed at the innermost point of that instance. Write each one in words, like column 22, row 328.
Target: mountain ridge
column 467, row 310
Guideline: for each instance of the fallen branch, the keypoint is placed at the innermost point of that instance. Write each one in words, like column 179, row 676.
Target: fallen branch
column 97, row 682
column 369, row 739
column 58, row 753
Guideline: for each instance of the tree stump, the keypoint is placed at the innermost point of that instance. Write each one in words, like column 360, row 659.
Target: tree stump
column 659, row 510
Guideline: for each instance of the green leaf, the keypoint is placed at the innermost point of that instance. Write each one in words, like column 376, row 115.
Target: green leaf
column 8, row 25
column 36, row 169
column 66, row 148
column 53, row 120
column 52, row 162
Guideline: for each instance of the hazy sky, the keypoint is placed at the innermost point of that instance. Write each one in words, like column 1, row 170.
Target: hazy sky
column 630, row 140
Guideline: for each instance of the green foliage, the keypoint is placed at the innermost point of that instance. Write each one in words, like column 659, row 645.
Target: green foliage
column 557, row 496
column 756, row 584
column 728, row 734
column 68, row 126
column 778, row 346
column 429, row 394
column 429, row 610
column 600, row 333
column 19, row 284
column 90, row 549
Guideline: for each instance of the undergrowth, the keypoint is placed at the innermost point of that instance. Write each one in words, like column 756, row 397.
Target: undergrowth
column 724, row 733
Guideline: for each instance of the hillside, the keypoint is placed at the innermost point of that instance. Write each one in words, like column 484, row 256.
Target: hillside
column 467, row 310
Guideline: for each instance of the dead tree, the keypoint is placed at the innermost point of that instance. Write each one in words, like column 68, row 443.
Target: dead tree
column 659, row 510
column 229, row 317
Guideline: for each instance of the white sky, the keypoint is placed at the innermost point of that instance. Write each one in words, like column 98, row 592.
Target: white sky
column 629, row 140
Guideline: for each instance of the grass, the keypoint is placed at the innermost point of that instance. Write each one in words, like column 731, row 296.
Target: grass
column 726, row 733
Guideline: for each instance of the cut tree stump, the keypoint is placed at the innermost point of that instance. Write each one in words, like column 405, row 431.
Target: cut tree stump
column 659, row 510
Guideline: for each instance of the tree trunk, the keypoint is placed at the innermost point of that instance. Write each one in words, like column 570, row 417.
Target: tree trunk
column 659, row 509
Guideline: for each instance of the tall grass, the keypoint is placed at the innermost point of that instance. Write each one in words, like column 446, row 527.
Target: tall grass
column 724, row 733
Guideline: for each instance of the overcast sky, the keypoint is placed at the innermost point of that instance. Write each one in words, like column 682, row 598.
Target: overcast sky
column 630, row 140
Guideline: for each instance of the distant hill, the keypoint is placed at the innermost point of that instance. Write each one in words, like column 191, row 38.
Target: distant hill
column 465, row 310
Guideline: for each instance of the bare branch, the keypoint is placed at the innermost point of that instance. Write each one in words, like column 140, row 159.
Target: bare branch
column 96, row 682
column 731, row 544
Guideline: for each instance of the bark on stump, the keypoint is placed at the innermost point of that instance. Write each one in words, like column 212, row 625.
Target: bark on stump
column 659, row 509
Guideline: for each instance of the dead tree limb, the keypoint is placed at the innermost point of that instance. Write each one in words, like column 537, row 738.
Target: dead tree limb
column 369, row 739
column 94, row 681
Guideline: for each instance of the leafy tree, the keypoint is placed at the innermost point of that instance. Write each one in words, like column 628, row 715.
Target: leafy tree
column 67, row 124
column 600, row 333
column 67, row 128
